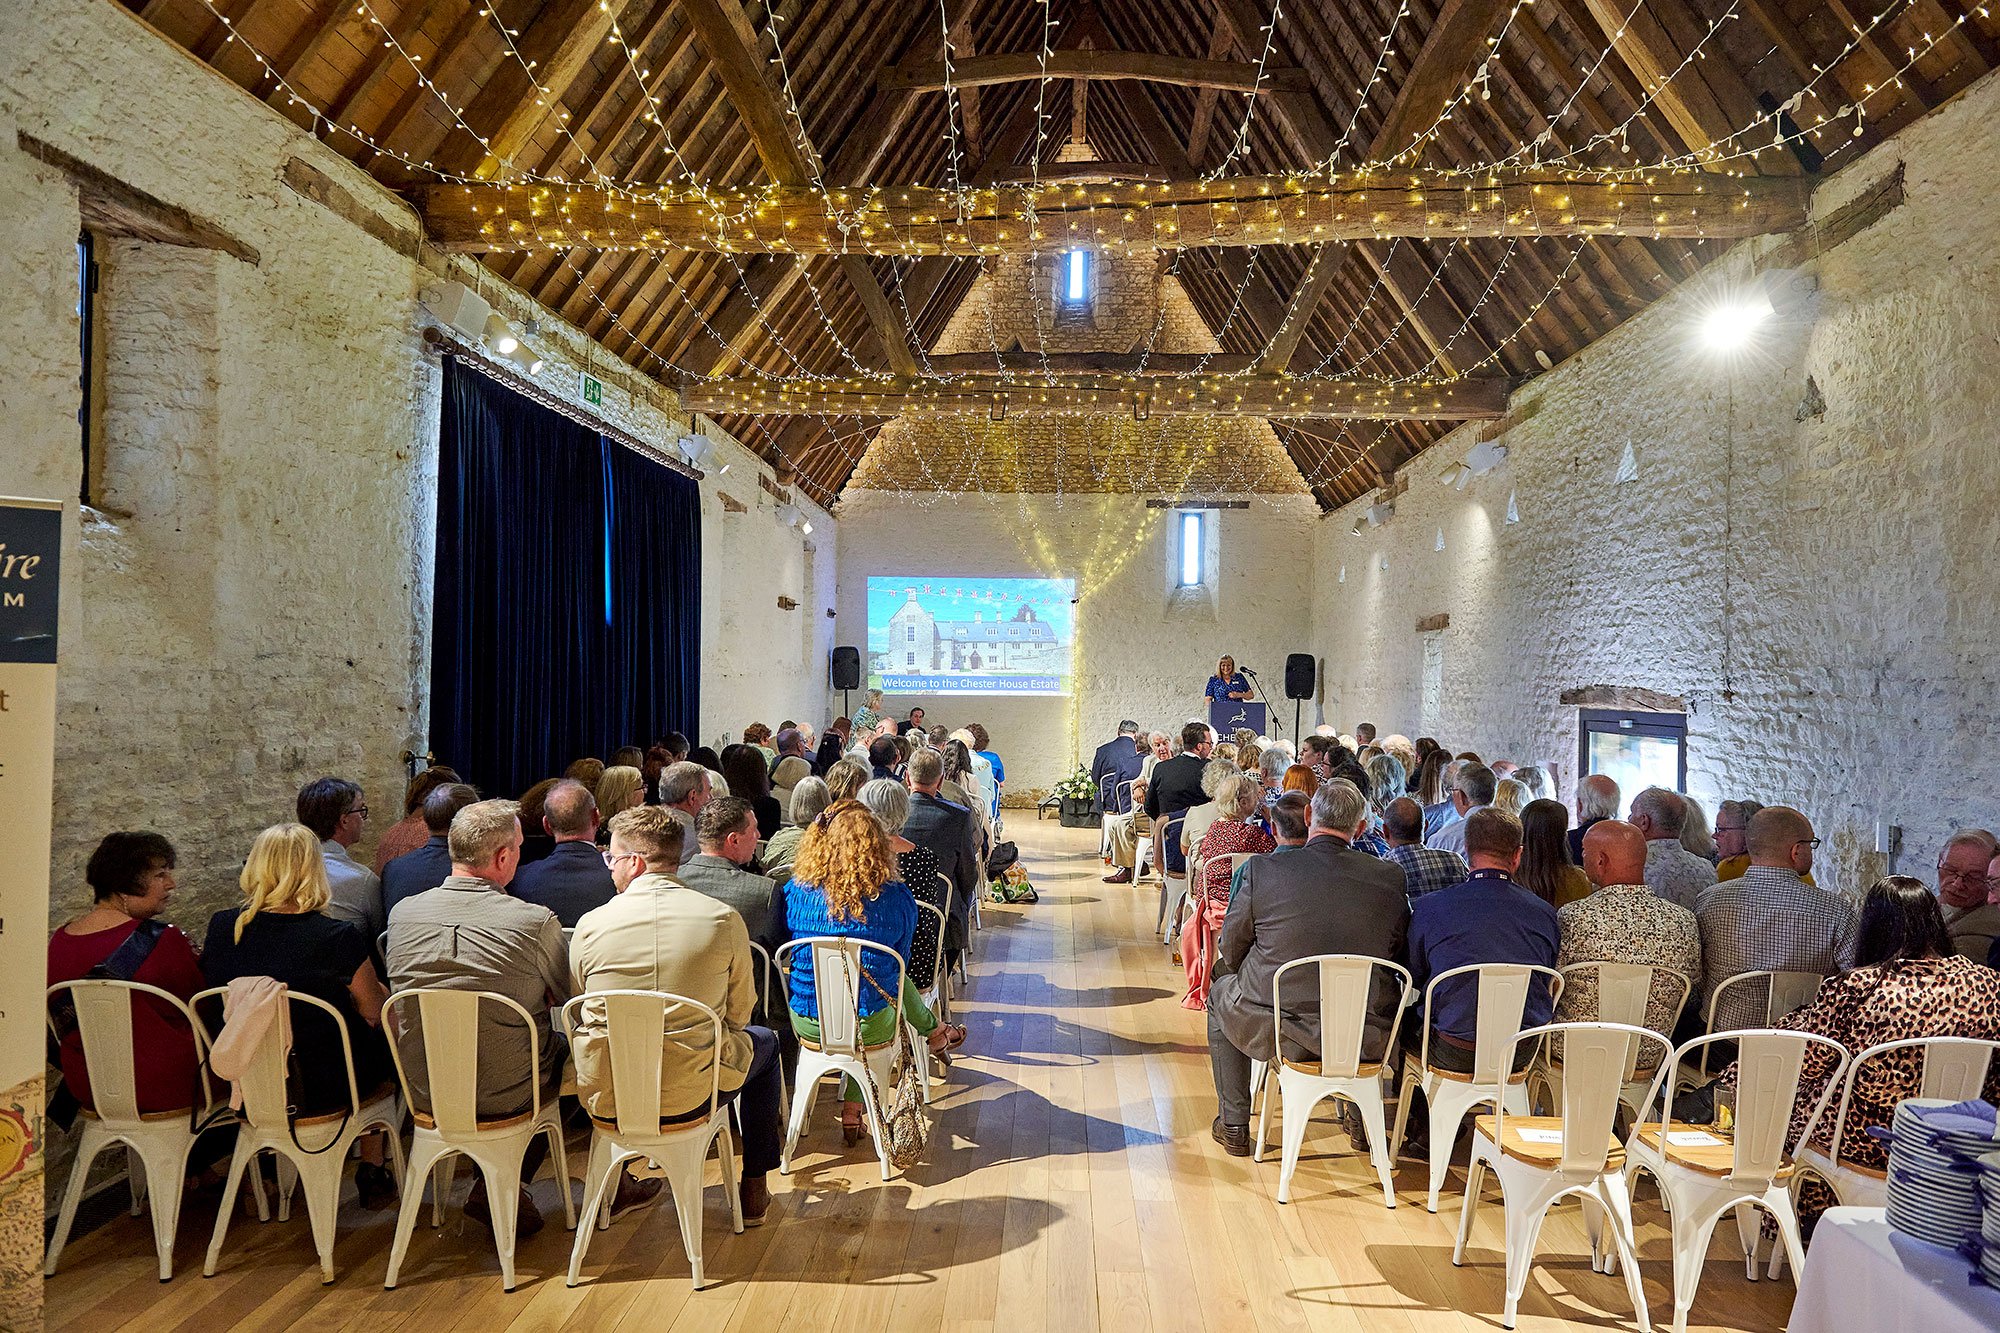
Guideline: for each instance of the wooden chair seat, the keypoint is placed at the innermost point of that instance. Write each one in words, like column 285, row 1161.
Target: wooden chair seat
column 1710, row 1159
column 1518, row 1076
column 1372, row 1069
column 815, row 1046
column 145, row 1117
column 425, row 1121
column 1513, row 1145
column 1821, row 1159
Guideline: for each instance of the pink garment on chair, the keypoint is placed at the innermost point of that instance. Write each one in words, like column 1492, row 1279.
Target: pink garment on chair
column 250, row 1007
column 1198, row 938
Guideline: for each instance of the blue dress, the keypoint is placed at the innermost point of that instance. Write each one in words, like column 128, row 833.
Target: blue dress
column 891, row 919
column 1219, row 688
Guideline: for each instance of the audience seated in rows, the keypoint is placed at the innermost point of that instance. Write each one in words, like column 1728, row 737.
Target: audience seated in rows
column 889, row 802
column 1324, row 897
column 1545, row 868
column 785, row 779
column 1965, row 890
column 333, row 808
column 621, row 788
column 1488, row 918
column 657, row 934
column 1124, row 831
column 1597, row 797
column 1120, row 759
column 1425, row 869
column 685, row 788
column 1231, row 833
column 469, row 933
column 846, row 883
column 1623, row 921
column 948, row 831
column 748, row 774
column 1905, row 982
column 1672, row 871
column 726, row 835
column 1472, row 789
column 429, row 865
column 572, row 879
column 1194, row 826
column 1176, row 783
column 412, row 831
column 121, row 937
column 1770, row 919
column 284, row 931
column 958, row 783
column 808, row 798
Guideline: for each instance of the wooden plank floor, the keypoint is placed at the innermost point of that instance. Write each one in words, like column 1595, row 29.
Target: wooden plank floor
column 1072, row 1184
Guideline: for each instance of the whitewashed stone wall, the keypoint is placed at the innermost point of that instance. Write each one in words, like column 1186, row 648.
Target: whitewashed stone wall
column 258, row 611
column 1820, row 589
column 1143, row 651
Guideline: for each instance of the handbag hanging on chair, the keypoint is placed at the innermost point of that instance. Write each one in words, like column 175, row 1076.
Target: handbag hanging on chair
column 904, row 1118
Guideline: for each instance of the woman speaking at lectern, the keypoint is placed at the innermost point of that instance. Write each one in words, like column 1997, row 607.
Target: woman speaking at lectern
column 1228, row 682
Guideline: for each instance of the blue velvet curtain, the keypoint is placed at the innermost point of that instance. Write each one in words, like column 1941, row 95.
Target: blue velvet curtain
column 568, row 591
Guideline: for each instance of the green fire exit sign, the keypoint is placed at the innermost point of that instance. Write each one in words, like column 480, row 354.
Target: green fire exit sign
column 592, row 389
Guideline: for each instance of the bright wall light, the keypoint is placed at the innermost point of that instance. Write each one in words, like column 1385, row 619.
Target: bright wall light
column 499, row 336
column 1731, row 316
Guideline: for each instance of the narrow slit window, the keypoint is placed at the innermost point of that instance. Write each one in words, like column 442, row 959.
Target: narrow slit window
column 1076, row 278
column 1191, row 549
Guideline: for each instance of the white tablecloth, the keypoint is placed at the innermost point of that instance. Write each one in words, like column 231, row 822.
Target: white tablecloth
column 1862, row 1277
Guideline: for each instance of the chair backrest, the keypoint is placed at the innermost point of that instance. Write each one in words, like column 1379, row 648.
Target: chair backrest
column 1783, row 992
column 945, row 888
column 1769, row 1063
column 1124, row 797
column 768, row 989
column 937, row 957
column 1502, row 1005
column 1346, row 984
column 1954, row 1071
column 1597, row 1062
column 1168, row 839
column 837, row 983
column 265, row 1104
column 1624, row 990
column 448, row 1023
column 104, row 1026
column 635, row 1021
column 1107, row 793
column 1235, row 859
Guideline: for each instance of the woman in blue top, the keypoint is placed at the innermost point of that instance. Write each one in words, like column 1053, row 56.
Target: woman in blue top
column 845, row 883
column 1228, row 682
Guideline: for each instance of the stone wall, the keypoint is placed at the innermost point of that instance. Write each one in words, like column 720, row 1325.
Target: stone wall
column 1818, row 585
column 248, row 603
column 1144, row 649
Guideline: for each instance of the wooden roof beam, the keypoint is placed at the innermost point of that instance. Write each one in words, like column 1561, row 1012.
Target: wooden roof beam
column 1177, row 215
column 1092, row 65
column 1272, row 396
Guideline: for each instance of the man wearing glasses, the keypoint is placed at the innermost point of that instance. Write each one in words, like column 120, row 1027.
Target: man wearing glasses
column 1771, row 919
column 1964, row 890
column 334, row 810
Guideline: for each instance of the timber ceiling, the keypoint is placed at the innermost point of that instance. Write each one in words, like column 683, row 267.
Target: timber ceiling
column 411, row 89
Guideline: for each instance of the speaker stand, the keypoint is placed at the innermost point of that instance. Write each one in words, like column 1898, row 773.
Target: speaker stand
column 1297, row 704
column 845, row 711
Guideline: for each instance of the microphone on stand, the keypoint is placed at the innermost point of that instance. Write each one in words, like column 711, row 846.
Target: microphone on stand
column 1260, row 685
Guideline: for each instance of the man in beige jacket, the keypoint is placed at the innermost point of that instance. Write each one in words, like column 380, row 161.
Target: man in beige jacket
column 660, row 935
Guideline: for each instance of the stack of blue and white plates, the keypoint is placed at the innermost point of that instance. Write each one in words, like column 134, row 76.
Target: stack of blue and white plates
column 1989, row 1227
column 1934, row 1192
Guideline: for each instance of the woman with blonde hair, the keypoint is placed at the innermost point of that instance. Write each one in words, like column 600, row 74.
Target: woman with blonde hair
column 1236, row 800
column 283, row 932
column 1511, row 796
column 620, row 789
column 846, row 883
column 845, row 779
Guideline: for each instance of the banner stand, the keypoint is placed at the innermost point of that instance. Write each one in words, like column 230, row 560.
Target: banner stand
column 30, row 551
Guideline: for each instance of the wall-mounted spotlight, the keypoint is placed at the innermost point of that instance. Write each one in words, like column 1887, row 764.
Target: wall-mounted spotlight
column 499, row 335
column 806, row 528
column 1733, row 313
column 790, row 516
column 523, row 357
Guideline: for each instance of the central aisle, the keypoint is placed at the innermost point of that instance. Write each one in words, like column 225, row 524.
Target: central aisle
column 1072, row 1185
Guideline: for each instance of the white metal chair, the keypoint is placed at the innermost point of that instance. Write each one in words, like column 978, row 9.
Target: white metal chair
column 837, row 985
column 776, row 1005
column 935, row 995
column 948, row 896
column 1783, row 992
column 157, row 1143
column 1624, row 990
column 1345, row 986
column 1704, row 1173
column 1107, row 809
column 448, row 1024
column 1173, row 888
column 633, row 1022
column 1540, row 1160
column 1954, row 1071
column 1189, row 905
column 314, row 1148
column 1448, row 1095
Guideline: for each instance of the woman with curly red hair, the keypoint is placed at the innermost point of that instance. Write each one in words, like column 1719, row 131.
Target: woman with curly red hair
column 846, row 883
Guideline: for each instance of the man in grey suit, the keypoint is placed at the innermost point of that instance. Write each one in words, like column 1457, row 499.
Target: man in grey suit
column 727, row 829
column 947, row 829
column 1326, row 897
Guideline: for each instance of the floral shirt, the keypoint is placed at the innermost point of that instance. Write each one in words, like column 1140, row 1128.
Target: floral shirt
column 1625, row 923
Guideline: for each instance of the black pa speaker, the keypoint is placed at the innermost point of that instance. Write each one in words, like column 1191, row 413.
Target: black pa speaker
column 847, row 668
column 1298, row 675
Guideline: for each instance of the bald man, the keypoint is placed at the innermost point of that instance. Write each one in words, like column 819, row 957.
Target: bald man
column 1624, row 921
column 1771, row 919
